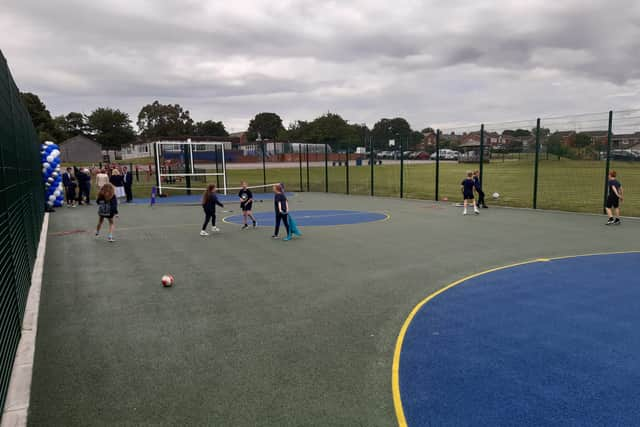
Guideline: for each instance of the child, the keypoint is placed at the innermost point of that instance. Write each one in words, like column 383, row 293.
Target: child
column 107, row 208
column 614, row 198
column 281, row 206
column 478, row 186
column 246, row 203
column 71, row 192
column 209, row 202
column 468, row 186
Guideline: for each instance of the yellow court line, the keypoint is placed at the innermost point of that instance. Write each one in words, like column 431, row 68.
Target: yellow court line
column 395, row 368
column 386, row 218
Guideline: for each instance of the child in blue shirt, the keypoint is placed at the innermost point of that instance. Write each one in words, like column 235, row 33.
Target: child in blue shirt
column 468, row 186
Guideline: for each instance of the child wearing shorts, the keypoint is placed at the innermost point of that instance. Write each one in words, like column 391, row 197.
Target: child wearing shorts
column 467, row 187
column 246, row 204
column 615, row 196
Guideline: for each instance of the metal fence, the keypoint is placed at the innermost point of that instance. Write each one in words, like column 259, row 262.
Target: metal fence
column 21, row 214
column 556, row 163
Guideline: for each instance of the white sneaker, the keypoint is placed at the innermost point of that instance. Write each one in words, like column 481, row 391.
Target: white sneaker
column 476, row 211
column 204, row 233
column 215, row 229
column 464, row 213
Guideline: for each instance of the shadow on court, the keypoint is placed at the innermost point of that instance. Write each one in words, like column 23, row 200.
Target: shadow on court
column 257, row 331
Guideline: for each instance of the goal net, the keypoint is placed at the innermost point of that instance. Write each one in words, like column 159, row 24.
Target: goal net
column 190, row 165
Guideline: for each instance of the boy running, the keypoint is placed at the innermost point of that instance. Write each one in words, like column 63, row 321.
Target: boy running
column 209, row 202
column 614, row 198
column 467, row 187
column 246, row 203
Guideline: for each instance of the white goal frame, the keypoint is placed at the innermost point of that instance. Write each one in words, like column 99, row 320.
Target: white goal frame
column 190, row 148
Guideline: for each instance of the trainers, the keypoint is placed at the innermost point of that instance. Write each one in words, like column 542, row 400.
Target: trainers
column 204, row 233
column 255, row 224
column 274, row 237
column 97, row 233
column 286, row 239
column 244, row 227
column 617, row 221
column 110, row 238
column 215, row 229
column 476, row 211
column 610, row 221
column 464, row 213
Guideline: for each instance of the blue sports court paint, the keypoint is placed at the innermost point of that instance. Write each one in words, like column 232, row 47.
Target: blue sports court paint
column 312, row 218
column 548, row 343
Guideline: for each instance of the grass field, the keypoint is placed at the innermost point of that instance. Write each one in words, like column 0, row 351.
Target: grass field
column 567, row 185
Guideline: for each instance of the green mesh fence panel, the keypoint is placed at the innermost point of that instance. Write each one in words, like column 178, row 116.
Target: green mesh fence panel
column 21, row 213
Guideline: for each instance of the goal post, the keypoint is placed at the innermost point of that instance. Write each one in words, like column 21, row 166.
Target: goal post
column 176, row 160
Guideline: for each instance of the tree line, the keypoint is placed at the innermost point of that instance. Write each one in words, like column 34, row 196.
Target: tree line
column 113, row 128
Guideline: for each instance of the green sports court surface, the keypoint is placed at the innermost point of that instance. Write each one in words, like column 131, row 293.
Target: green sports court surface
column 264, row 332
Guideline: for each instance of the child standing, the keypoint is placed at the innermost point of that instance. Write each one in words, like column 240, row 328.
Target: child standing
column 71, row 192
column 281, row 205
column 614, row 198
column 246, row 203
column 467, row 187
column 209, row 202
column 478, row 186
column 107, row 208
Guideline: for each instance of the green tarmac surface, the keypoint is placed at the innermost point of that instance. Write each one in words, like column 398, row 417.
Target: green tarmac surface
column 256, row 331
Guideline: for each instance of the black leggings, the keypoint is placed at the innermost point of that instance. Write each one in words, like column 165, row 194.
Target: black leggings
column 285, row 219
column 481, row 198
column 209, row 216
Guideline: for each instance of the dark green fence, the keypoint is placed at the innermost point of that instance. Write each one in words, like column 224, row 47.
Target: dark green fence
column 556, row 163
column 21, row 213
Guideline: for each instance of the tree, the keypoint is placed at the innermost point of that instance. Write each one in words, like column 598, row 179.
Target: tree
column 397, row 129
column 583, row 140
column 268, row 125
column 41, row 118
column 428, row 130
column 159, row 120
column 111, row 128
column 210, row 128
column 73, row 124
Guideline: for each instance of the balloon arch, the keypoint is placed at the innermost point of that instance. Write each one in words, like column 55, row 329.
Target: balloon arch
column 54, row 191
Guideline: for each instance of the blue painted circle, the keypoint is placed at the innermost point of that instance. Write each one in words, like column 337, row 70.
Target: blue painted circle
column 312, row 218
column 548, row 343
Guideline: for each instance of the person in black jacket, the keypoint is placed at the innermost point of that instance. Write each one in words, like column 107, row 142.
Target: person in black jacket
column 478, row 185
column 107, row 208
column 66, row 183
column 209, row 202
column 127, row 179
column 84, row 185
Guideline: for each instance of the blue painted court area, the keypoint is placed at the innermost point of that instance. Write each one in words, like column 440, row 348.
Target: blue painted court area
column 546, row 343
column 197, row 197
column 313, row 218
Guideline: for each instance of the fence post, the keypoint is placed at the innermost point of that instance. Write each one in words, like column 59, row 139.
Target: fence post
column 217, row 167
column 535, row 166
column 326, row 168
column 346, row 164
column 371, row 161
column 300, row 161
column 437, row 163
column 401, row 169
column 264, row 167
column 481, row 154
column 157, row 164
column 608, row 164
column 307, row 152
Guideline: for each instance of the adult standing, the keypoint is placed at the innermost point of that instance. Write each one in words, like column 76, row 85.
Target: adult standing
column 66, row 182
column 84, row 182
column 117, row 182
column 127, row 179
column 101, row 179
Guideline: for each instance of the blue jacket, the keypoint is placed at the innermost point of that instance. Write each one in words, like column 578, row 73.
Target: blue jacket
column 66, row 179
column 210, row 205
column 476, row 183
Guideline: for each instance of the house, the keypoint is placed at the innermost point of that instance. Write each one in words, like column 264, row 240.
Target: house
column 137, row 150
column 630, row 140
column 80, row 149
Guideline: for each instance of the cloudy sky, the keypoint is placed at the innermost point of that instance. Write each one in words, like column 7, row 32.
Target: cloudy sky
column 435, row 63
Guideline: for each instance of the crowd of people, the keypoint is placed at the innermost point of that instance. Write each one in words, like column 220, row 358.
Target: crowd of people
column 77, row 183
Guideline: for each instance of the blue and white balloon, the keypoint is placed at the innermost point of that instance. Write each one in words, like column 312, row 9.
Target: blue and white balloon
column 52, row 178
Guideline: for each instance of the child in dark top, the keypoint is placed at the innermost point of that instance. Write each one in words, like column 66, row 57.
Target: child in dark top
column 107, row 208
column 71, row 192
column 246, row 203
column 209, row 202
column 478, row 186
column 614, row 198
column 468, row 186
column 281, row 206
